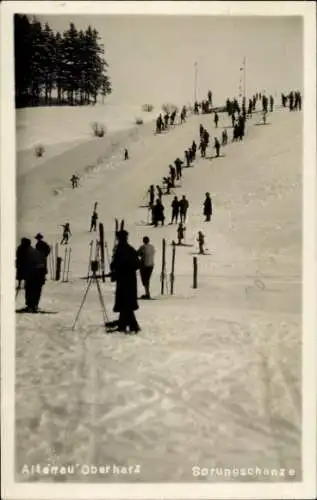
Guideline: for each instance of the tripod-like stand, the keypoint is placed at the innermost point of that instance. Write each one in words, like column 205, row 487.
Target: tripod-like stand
column 93, row 279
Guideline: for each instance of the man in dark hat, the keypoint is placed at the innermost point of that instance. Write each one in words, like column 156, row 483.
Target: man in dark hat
column 43, row 248
column 124, row 266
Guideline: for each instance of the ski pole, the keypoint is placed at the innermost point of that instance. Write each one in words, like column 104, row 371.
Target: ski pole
column 68, row 265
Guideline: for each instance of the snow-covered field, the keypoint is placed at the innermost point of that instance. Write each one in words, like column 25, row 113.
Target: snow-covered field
column 214, row 377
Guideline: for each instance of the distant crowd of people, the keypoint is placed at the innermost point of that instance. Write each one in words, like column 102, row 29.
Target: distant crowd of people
column 293, row 99
column 31, row 262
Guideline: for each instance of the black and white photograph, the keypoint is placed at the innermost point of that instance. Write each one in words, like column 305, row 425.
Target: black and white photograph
column 158, row 253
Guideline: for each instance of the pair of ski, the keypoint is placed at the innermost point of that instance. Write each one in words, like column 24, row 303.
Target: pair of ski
column 66, row 264
column 164, row 283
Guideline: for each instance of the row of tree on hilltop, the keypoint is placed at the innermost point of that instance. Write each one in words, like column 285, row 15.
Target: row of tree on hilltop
column 54, row 68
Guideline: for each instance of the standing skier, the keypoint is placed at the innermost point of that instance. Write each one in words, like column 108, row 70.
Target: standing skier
column 202, row 148
column 181, row 233
column 201, row 242
column 217, row 147
column 74, row 180
column 207, row 207
column 158, row 213
column 32, row 269
column 123, row 267
column 172, row 174
column 183, row 207
column 126, row 154
column 146, row 254
column 175, row 210
column 66, row 233
column 178, row 164
column 93, row 223
column 42, row 247
column 216, row 119
column 224, row 137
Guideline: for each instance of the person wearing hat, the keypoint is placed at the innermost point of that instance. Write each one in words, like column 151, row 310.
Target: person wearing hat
column 43, row 248
column 31, row 267
column 124, row 266
column 207, row 207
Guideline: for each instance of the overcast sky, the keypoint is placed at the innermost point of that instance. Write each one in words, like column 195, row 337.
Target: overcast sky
column 152, row 59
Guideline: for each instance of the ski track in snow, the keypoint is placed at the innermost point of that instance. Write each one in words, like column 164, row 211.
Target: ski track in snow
column 213, row 378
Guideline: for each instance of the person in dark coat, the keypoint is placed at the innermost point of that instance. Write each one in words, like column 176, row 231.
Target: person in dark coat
column 183, row 207
column 186, row 153
column 178, row 164
column 175, row 210
column 74, row 180
column 126, row 154
column 31, row 267
column 201, row 242
column 207, row 207
column 21, row 252
column 206, row 137
column 151, row 193
column 66, row 233
column 224, row 137
column 93, row 223
column 216, row 120
column 181, row 233
column 217, row 147
column 43, row 248
column 124, row 266
column 202, row 148
column 158, row 213
column 172, row 174
column 194, row 149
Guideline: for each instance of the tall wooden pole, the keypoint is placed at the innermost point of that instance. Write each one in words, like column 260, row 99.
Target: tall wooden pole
column 163, row 266
column 172, row 277
column 195, row 272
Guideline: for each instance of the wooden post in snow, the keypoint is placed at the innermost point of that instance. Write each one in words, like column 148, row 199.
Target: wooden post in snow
column 195, row 269
column 163, row 266
column 172, row 276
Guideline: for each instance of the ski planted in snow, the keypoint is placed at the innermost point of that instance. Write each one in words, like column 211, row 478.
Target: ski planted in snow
column 102, row 251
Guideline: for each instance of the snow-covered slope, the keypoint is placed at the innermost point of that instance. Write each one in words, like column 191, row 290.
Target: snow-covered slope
column 213, row 378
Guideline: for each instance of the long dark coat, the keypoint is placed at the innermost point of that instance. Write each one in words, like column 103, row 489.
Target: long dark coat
column 124, row 265
column 207, row 206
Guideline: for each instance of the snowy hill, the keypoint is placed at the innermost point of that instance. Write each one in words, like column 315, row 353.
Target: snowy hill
column 213, row 378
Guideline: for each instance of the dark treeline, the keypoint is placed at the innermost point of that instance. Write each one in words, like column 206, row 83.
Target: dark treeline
column 58, row 68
